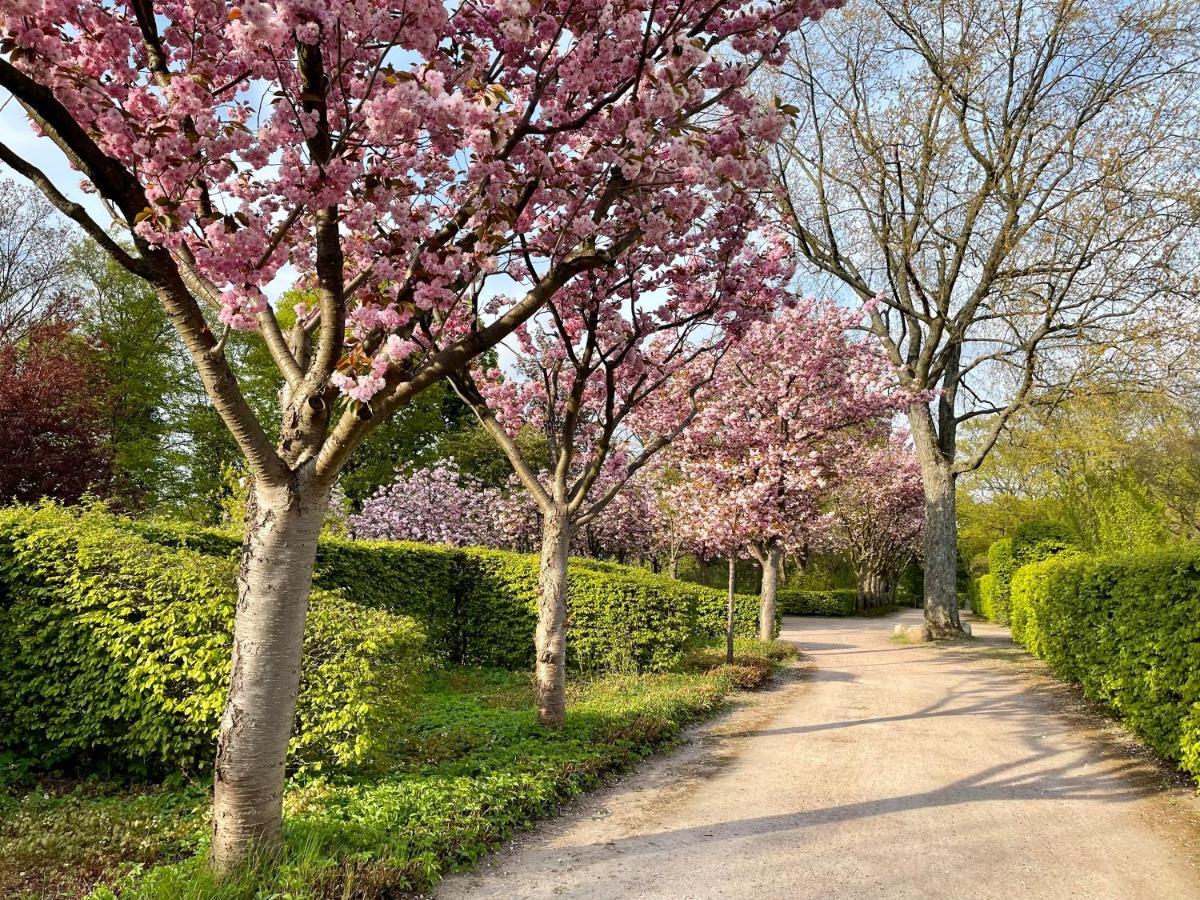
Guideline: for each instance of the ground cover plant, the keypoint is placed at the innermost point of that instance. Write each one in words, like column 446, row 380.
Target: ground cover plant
column 469, row 768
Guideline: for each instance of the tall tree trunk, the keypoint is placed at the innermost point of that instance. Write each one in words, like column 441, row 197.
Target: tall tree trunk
column 729, row 609
column 274, row 580
column 941, row 554
column 772, row 561
column 675, row 566
column 941, row 527
column 550, row 643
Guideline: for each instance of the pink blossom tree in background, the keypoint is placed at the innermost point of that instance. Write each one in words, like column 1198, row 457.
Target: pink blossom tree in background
column 610, row 372
column 441, row 505
column 875, row 516
column 395, row 158
column 789, row 402
column 436, row 505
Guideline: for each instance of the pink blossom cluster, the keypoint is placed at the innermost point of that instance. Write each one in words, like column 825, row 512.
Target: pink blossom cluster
column 441, row 505
column 876, row 513
column 443, row 144
column 778, row 430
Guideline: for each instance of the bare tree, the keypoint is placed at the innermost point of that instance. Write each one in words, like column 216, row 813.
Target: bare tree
column 36, row 252
column 1010, row 180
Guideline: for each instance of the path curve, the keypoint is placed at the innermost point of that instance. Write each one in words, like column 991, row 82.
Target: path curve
column 887, row 770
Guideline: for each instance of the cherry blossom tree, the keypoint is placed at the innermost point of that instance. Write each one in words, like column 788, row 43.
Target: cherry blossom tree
column 436, row 505
column 788, row 403
column 627, row 527
column 610, row 373
column 875, row 516
column 400, row 160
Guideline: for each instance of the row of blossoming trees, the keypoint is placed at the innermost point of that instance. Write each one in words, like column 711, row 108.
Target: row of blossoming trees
column 769, row 438
column 586, row 176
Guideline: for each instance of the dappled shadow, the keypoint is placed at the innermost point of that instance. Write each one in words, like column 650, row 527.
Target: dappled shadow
column 989, row 784
column 814, row 646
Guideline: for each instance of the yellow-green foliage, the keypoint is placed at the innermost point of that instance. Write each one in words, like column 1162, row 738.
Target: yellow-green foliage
column 1000, row 567
column 117, row 649
column 839, row 602
column 984, row 596
column 1029, row 543
column 1127, row 628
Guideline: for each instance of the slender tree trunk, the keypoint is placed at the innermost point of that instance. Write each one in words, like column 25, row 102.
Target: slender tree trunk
column 729, row 609
column 550, row 674
column 274, row 580
column 772, row 561
column 675, row 566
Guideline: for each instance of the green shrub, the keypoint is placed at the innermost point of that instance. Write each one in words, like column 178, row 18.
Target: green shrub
column 117, row 649
column 1036, row 541
column 1030, row 543
column 1127, row 628
column 984, row 596
column 838, row 602
column 1001, row 566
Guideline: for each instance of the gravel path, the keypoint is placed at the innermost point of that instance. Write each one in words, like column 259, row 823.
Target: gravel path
column 882, row 770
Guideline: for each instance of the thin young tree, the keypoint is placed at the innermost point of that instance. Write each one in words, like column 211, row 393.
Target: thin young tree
column 1009, row 180
column 790, row 401
column 610, row 374
column 394, row 158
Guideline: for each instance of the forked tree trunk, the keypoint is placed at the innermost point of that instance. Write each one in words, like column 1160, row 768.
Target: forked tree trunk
column 772, row 560
column 550, row 643
column 729, row 609
column 274, row 579
column 872, row 590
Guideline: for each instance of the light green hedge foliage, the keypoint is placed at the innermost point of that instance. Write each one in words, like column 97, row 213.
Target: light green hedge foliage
column 983, row 597
column 116, row 649
column 1000, row 567
column 1127, row 628
column 1030, row 543
column 479, row 606
column 838, row 602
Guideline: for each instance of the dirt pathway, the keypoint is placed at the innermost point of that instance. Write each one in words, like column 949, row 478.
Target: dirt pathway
column 886, row 770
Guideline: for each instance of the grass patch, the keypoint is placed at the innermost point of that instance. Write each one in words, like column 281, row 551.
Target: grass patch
column 470, row 768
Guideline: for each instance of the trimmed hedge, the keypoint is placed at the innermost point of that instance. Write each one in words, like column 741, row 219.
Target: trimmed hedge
column 838, row 602
column 115, row 648
column 1030, row 543
column 983, row 597
column 1036, row 541
column 1001, row 567
column 479, row 606
column 1127, row 628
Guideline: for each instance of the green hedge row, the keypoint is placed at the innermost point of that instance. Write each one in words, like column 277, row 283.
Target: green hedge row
column 1127, row 628
column 479, row 606
column 992, row 594
column 838, row 602
column 116, row 649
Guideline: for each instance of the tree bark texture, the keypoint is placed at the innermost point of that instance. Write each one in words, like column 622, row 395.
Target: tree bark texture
column 873, row 590
column 550, row 644
column 729, row 609
column 274, row 580
column 771, row 564
column 941, row 527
